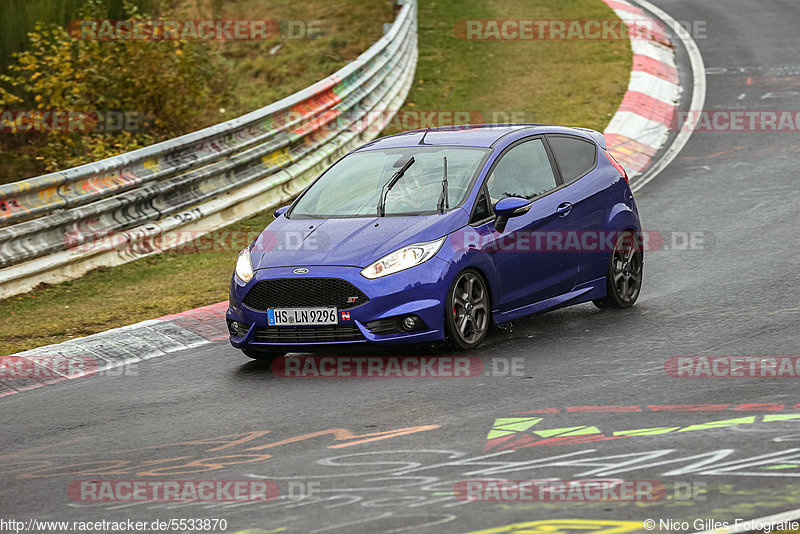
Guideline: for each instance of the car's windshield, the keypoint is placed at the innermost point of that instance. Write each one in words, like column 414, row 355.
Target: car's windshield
column 353, row 186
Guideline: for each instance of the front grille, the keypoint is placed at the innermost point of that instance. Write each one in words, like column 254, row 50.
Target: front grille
column 303, row 293
column 307, row 334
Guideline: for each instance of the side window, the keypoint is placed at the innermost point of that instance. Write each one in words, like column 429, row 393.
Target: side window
column 575, row 156
column 524, row 171
column 482, row 210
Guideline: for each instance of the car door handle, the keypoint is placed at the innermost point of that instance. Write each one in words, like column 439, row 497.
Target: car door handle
column 564, row 209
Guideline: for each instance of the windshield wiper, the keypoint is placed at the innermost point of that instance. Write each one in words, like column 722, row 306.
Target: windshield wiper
column 390, row 184
column 444, row 199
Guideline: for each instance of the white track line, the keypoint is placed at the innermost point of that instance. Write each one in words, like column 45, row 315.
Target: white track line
column 698, row 96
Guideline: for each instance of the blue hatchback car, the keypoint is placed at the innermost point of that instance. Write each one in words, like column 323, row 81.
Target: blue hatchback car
column 435, row 235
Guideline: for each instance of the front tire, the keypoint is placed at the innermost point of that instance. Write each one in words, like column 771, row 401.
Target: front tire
column 467, row 311
column 624, row 273
column 262, row 356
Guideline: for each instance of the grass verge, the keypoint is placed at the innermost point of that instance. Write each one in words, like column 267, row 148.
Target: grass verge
column 561, row 82
column 265, row 71
column 572, row 83
column 319, row 38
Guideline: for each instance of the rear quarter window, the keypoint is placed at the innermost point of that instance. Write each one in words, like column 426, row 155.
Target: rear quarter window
column 575, row 156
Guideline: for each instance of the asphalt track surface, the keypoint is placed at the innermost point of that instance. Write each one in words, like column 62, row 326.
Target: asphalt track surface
column 737, row 295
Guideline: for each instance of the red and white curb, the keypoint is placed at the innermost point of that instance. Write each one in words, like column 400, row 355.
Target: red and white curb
column 87, row 356
column 642, row 124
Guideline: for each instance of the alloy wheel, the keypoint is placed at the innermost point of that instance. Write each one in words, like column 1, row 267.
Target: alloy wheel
column 470, row 308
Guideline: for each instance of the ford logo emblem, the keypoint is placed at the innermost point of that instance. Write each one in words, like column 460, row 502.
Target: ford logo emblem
column 301, row 270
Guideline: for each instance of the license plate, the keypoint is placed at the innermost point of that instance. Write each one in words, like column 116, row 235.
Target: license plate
column 301, row 316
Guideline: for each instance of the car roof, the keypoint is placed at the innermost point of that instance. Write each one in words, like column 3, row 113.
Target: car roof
column 476, row 135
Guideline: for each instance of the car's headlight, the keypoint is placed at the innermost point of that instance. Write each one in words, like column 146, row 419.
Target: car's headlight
column 244, row 267
column 402, row 259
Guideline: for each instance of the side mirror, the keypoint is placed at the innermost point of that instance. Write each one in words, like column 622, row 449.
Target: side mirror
column 509, row 207
column 280, row 211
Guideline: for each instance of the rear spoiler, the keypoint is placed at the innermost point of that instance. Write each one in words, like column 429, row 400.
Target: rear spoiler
column 597, row 136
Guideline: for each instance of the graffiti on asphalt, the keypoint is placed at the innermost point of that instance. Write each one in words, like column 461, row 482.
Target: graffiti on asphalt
column 512, row 433
column 412, row 479
column 245, row 448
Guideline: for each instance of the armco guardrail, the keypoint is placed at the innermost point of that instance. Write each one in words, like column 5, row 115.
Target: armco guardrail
column 49, row 225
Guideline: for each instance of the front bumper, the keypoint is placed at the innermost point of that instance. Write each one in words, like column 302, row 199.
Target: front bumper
column 419, row 291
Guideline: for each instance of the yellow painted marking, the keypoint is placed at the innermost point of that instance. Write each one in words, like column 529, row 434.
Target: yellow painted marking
column 646, row 431
column 505, row 426
column 783, row 466
column 720, row 424
column 275, row 159
column 515, row 423
column 564, row 526
column 569, row 431
column 152, row 164
column 47, row 192
column 780, row 417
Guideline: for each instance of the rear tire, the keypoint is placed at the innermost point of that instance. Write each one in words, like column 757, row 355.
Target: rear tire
column 262, row 356
column 624, row 273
